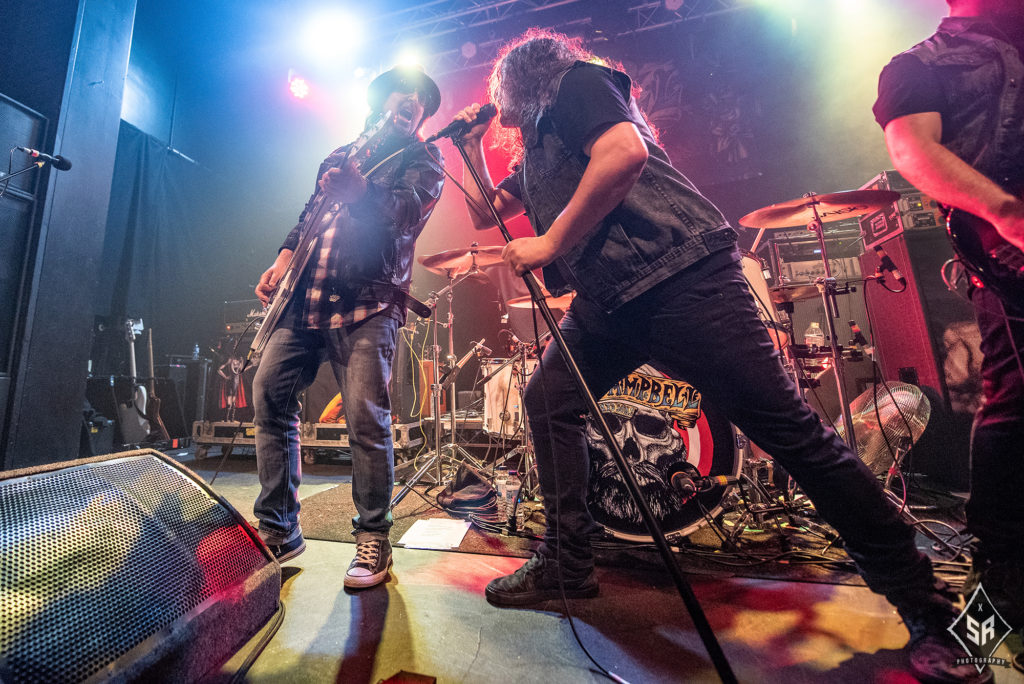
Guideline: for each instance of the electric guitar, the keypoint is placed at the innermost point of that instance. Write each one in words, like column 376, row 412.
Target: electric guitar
column 308, row 238
column 156, row 422
column 986, row 255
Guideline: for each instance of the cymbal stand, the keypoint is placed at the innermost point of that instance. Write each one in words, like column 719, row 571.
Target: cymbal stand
column 827, row 288
column 455, row 454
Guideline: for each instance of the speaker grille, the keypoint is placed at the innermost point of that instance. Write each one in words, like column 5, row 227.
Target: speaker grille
column 96, row 559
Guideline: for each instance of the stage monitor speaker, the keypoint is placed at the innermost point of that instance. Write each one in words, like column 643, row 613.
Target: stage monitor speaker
column 125, row 567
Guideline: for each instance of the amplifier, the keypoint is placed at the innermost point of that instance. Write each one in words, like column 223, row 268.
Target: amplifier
column 913, row 211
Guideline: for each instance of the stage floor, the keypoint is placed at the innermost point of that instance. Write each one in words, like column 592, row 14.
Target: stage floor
column 431, row 618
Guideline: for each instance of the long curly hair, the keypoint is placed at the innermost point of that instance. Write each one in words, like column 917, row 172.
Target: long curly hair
column 522, row 83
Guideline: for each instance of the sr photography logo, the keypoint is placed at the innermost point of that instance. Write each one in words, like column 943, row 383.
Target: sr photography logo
column 980, row 629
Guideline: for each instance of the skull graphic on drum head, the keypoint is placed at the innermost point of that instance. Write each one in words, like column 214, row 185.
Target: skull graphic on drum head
column 658, row 422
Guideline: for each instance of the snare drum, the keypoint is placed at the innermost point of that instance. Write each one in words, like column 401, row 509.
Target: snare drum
column 658, row 422
column 754, row 272
column 504, row 384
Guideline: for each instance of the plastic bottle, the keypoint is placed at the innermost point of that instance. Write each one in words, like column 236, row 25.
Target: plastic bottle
column 501, row 489
column 195, row 352
column 814, row 336
column 513, row 484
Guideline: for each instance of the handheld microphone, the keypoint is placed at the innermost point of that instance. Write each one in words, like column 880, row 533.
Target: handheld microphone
column 459, row 128
column 59, row 162
column 888, row 265
column 688, row 481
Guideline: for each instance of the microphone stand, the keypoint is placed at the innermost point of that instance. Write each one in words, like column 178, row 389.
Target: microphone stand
column 35, row 165
column 700, row 620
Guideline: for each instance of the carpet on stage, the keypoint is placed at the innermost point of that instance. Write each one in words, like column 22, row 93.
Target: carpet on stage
column 328, row 516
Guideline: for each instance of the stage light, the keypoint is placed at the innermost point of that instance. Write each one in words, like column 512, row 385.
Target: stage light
column 408, row 58
column 330, row 34
column 468, row 49
column 674, row 5
column 298, row 87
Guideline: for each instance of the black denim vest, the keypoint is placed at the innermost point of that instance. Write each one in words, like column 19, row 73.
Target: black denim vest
column 982, row 77
column 662, row 226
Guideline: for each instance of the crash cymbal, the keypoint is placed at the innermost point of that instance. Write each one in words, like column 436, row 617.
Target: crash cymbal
column 560, row 302
column 792, row 293
column 831, row 207
column 457, row 261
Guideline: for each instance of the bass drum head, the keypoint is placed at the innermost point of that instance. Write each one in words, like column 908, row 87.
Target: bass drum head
column 658, row 422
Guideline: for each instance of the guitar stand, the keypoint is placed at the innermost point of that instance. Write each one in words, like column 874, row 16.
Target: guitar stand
column 450, row 453
column 700, row 620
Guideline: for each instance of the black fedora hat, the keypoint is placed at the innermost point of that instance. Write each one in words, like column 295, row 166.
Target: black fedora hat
column 404, row 79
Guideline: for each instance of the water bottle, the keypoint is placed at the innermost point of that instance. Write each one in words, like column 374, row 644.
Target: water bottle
column 513, row 484
column 195, row 352
column 501, row 489
column 814, row 336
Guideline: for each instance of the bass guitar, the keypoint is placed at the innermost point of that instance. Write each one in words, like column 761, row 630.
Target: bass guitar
column 308, row 238
column 986, row 255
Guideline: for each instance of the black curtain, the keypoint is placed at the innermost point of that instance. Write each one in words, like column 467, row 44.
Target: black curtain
column 166, row 242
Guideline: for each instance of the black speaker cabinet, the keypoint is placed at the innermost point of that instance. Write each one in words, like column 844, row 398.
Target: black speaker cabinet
column 125, row 567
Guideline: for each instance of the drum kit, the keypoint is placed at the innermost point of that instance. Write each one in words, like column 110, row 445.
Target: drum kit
column 659, row 436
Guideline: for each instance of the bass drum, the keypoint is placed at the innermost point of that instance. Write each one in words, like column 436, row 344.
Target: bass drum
column 754, row 271
column 658, row 422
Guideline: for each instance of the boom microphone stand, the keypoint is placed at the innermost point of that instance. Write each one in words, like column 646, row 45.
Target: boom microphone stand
column 700, row 620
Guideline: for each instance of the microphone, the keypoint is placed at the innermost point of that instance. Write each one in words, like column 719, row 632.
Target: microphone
column 687, row 480
column 459, row 128
column 59, row 162
column 450, row 374
column 888, row 265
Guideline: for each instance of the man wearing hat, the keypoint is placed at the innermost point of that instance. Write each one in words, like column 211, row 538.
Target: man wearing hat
column 347, row 306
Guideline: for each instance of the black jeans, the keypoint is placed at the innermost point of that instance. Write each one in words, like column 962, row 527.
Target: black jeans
column 707, row 332
column 995, row 511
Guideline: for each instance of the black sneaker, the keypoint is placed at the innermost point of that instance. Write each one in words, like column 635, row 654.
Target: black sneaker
column 932, row 650
column 537, row 581
column 370, row 566
column 287, row 551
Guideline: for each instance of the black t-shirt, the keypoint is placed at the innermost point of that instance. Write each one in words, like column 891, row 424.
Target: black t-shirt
column 907, row 86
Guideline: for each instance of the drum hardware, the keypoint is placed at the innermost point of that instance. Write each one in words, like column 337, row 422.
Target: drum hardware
column 457, row 265
column 813, row 210
column 501, row 388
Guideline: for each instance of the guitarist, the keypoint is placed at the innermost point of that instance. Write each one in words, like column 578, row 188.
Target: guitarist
column 952, row 108
column 347, row 307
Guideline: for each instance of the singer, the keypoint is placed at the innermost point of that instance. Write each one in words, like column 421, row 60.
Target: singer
column 658, row 280
column 957, row 133
column 347, row 308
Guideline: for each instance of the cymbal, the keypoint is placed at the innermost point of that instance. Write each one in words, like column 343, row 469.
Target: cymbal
column 792, row 293
column 560, row 302
column 457, row 261
column 831, row 207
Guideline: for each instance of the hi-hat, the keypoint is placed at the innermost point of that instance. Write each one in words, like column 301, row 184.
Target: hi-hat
column 561, row 302
column 457, row 261
column 831, row 207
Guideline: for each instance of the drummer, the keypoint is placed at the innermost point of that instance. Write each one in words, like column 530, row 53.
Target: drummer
column 658, row 280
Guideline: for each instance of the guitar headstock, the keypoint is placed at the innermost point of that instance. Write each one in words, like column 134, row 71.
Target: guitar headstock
column 132, row 328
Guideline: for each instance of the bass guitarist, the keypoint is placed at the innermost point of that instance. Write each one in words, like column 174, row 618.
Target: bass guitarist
column 346, row 306
column 952, row 108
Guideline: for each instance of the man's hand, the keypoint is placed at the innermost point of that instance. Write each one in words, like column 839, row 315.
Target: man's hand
column 469, row 116
column 344, row 184
column 272, row 276
column 526, row 254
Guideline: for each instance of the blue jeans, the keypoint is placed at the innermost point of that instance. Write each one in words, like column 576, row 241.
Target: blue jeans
column 707, row 332
column 360, row 355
